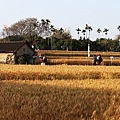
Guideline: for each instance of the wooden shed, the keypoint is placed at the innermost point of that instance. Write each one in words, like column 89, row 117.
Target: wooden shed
column 16, row 52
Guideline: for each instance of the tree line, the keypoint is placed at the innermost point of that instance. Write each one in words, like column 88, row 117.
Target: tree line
column 42, row 35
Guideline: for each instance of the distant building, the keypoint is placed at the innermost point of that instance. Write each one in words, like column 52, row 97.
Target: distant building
column 16, row 52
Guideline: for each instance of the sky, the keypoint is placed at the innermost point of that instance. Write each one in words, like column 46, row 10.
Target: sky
column 68, row 14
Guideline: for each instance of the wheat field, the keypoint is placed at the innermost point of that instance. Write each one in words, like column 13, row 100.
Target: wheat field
column 60, row 92
column 38, row 72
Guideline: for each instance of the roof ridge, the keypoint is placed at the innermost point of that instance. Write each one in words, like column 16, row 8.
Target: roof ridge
column 12, row 46
column 12, row 41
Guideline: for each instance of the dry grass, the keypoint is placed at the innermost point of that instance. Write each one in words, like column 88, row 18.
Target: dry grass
column 61, row 92
column 56, row 57
column 37, row 72
column 77, row 53
column 60, row 100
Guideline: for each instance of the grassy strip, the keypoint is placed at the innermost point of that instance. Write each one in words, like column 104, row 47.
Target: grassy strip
column 79, row 61
column 56, row 57
column 31, row 72
column 76, row 53
column 63, row 100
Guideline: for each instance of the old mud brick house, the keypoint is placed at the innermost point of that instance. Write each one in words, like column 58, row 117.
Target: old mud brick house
column 16, row 52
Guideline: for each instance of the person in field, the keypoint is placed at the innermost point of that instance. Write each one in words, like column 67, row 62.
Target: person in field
column 97, row 59
column 94, row 58
column 43, row 59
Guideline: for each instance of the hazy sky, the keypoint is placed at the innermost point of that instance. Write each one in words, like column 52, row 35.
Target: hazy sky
column 69, row 14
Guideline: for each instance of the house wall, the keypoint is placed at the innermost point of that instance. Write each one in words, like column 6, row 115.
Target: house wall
column 4, row 57
column 24, row 50
column 10, row 58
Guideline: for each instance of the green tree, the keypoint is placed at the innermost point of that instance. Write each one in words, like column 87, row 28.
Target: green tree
column 23, row 28
column 29, row 29
column 44, row 28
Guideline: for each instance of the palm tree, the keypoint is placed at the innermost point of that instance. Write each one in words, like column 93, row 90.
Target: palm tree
column 119, row 36
column 43, row 22
column 78, row 32
column 84, row 31
column 118, row 28
column 86, row 28
column 106, row 32
column 99, row 31
column 52, row 30
column 61, row 32
column 47, row 21
column 89, row 28
column 44, row 28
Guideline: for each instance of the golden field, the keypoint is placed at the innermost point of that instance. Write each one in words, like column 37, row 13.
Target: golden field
column 59, row 92
column 57, row 57
column 38, row 72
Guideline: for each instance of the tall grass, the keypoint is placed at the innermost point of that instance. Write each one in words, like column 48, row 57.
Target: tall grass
column 61, row 92
column 32, row 72
column 56, row 57
column 60, row 100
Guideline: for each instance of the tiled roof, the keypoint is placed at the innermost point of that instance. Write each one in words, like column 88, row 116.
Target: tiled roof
column 11, row 46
